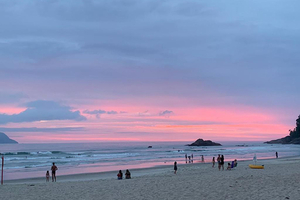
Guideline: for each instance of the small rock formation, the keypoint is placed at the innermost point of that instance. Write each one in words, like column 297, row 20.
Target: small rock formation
column 4, row 139
column 201, row 142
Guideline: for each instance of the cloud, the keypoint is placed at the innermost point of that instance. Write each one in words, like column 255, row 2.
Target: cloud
column 42, row 110
column 166, row 113
column 112, row 112
column 204, row 51
column 99, row 112
column 94, row 112
column 143, row 114
column 35, row 129
column 10, row 97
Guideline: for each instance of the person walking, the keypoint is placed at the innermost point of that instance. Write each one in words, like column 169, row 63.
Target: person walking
column 276, row 154
column 213, row 162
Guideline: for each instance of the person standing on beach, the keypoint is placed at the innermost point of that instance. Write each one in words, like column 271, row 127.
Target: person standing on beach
column 219, row 162
column 222, row 162
column 185, row 158
column 192, row 156
column 276, row 154
column 175, row 167
column 53, row 169
column 213, row 162
column 47, row 176
column 202, row 158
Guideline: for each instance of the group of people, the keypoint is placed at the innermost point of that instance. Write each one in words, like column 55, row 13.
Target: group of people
column 53, row 170
column 127, row 175
column 220, row 161
column 191, row 158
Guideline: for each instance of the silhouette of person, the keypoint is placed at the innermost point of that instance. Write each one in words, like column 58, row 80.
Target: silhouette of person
column 54, row 169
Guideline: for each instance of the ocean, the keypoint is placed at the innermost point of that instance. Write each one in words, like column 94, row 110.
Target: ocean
column 33, row 160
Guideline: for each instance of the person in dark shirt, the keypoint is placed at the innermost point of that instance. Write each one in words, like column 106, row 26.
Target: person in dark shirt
column 127, row 174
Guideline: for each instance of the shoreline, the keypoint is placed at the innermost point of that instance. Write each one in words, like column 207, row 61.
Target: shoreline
column 136, row 172
column 279, row 180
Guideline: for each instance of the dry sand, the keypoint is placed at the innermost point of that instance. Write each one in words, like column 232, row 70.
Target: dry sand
column 279, row 180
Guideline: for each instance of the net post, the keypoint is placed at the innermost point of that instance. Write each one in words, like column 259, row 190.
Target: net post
column 2, row 170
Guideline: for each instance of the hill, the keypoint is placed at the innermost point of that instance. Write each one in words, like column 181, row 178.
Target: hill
column 4, row 139
column 293, row 138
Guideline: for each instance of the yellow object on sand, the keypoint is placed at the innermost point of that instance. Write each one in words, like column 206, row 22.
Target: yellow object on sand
column 256, row 166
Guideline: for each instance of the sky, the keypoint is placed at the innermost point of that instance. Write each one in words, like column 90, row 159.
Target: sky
column 148, row 70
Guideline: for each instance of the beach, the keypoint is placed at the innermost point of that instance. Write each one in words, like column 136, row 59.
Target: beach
column 279, row 180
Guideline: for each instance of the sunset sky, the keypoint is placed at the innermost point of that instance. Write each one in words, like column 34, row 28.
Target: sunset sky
column 148, row 70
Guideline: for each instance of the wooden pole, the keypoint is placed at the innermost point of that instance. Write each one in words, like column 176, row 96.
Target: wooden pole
column 2, row 170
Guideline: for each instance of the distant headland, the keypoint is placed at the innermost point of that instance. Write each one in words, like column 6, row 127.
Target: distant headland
column 201, row 142
column 4, row 139
column 293, row 138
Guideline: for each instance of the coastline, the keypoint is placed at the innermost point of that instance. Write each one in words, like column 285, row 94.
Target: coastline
column 279, row 180
column 136, row 172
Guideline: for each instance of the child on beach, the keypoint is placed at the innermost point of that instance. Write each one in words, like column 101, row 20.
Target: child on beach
column 175, row 167
column 229, row 166
column 120, row 175
column 47, row 176
column 127, row 174
column 213, row 162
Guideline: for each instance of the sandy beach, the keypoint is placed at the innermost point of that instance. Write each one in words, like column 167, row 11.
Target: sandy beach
column 279, row 180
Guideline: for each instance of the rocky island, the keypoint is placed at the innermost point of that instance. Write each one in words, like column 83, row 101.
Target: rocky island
column 4, row 139
column 293, row 138
column 201, row 142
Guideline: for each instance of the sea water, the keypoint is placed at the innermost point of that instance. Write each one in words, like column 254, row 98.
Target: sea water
column 33, row 160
